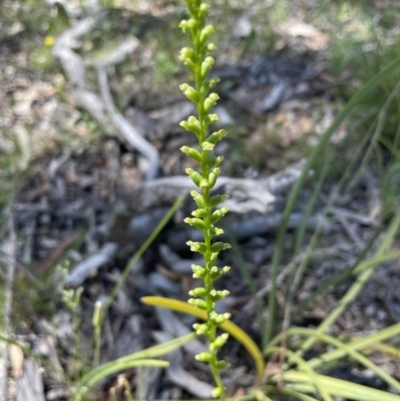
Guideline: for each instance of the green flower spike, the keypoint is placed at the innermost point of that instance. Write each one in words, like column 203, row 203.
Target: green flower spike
column 198, row 60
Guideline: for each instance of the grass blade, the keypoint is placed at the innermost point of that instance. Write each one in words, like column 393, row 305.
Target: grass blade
column 343, row 388
column 302, row 364
column 140, row 252
column 354, row 101
column 116, row 366
column 125, row 362
column 351, row 352
column 362, row 278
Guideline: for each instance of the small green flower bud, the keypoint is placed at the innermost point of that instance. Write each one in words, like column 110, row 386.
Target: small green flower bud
column 199, row 303
column 192, row 152
column 200, row 213
column 219, row 342
column 184, row 124
column 206, row 32
column 204, row 183
column 207, row 146
column 216, row 273
column 206, row 66
column 198, row 271
column 217, row 215
column 201, row 329
column 212, row 178
column 192, row 124
column 187, row 53
column 199, row 224
column 211, row 119
column 200, row 247
column 195, row 176
column 193, row 120
column 219, row 160
column 219, row 319
column 198, row 292
column 214, row 231
column 213, row 257
column 216, row 136
column 200, row 202
column 190, row 92
column 203, row 8
column 210, row 102
column 219, row 246
column 218, row 231
column 225, row 269
column 218, row 295
column 216, row 199
column 210, row 83
column 203, row 357
column 199, row 199
column 184, row 24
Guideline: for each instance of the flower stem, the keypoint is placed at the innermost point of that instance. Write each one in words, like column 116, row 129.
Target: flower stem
column 204, row 217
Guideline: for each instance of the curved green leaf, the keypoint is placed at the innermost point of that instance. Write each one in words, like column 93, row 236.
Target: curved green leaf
column 228, row 326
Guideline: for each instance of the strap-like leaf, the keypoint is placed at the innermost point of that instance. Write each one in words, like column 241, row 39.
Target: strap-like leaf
column 228, row 326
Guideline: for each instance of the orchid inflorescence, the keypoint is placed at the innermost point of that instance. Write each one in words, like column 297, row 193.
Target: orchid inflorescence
column 205, row 218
